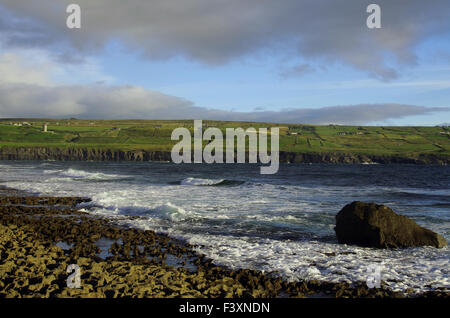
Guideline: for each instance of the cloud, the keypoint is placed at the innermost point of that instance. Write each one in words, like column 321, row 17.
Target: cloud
column 33, row 85
column 345, row 115
column 89, row 102
column 298, row 70
column 132, row 102
column 39, row 67
column 13, row 68
column 216, row 32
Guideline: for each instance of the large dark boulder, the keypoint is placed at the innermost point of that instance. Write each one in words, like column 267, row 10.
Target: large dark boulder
column 373, row 225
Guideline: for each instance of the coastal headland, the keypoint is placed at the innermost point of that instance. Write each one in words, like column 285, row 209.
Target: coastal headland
column 146, row 140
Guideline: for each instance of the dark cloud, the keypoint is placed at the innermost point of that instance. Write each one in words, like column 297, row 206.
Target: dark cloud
column 349, row 114
column 258, row 109
column 215, row 31
column 298, row 70
column 66, row 58
column 131, row 102
column 23, row 31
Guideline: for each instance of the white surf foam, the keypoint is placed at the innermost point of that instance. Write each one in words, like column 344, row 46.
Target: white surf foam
column 171, row 212
column 418, row 268
column 81, row 174
column 200, row 182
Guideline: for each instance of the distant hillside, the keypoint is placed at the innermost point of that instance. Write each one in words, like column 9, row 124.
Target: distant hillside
column 346, row 143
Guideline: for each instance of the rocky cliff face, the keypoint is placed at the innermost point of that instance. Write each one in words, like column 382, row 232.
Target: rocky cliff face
column 80, row 154
column 360, row 158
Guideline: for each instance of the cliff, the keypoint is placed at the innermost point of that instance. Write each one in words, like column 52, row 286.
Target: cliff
column 84, row 154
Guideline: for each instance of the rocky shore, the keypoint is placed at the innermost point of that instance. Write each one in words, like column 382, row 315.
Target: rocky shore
column 84, row 154
column 41, row 236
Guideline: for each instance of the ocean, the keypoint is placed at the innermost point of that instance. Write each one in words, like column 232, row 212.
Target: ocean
column 281, row 224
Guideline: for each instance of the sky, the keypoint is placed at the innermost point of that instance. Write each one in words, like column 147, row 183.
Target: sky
column 290, row 61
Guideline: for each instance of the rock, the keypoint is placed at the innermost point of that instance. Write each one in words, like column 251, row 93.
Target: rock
column 372, row 225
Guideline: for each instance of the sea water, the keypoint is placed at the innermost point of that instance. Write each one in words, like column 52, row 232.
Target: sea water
column 282, row 223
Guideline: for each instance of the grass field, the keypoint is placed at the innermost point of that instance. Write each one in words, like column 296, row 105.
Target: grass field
column 155, row 135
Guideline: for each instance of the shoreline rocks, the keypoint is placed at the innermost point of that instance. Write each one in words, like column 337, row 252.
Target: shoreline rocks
column 373, row 225
column 137, row 265
column 32, row 264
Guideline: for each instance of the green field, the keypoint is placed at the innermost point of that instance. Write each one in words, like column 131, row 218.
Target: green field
column 155, row 135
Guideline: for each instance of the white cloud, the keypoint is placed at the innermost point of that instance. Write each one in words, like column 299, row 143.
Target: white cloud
column 39, row 67
column 14, row 69
column 33, row 85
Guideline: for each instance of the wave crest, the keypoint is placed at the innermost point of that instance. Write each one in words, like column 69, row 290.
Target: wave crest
column 209, row 182
column 76, row 174
column 171, row 212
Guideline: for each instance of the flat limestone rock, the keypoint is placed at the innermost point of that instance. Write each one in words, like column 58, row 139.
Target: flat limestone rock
column 373, row 225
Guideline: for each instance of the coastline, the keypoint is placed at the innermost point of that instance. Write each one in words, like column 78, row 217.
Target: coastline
column 137, row 263
column 93, row 154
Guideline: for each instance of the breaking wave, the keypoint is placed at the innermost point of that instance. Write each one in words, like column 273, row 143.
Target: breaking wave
column 209, row 182
column 76, row 174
